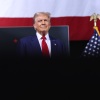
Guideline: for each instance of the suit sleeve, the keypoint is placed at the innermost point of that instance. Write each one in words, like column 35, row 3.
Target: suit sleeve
column 20, row 48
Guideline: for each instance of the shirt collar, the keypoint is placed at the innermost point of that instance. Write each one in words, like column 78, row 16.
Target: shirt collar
column 39, row 36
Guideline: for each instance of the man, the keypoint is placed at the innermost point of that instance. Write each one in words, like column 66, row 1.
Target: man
column 31, row 46
column 34, row 63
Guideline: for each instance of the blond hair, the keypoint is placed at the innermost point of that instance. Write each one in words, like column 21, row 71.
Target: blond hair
column 41, row 13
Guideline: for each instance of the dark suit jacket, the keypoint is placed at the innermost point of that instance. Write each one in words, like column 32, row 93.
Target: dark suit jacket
column 29, row 47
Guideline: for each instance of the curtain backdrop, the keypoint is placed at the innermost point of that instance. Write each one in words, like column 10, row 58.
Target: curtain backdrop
column 75, row 13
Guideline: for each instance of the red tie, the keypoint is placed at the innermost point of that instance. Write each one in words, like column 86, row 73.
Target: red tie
column 45, row 50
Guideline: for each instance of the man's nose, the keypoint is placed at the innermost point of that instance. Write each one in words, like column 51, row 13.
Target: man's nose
column 43, row 22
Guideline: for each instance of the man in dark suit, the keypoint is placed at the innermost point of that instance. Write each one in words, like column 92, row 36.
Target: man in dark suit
column 31, row 46
column 35, row 69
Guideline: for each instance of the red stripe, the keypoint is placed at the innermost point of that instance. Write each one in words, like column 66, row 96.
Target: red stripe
column 80, row 28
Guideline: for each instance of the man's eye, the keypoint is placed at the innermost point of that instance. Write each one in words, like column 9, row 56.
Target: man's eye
column 45, row 20
column 39, row 20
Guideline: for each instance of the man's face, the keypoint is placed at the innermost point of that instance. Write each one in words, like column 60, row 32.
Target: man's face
column 42, row 24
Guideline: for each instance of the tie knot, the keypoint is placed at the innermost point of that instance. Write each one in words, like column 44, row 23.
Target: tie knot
column 43, row 37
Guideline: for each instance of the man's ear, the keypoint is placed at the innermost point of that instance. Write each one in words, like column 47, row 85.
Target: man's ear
column 34, row 26
column 49, row 26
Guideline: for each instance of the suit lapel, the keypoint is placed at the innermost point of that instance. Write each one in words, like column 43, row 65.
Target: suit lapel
column 53, row 46
column 35, row 46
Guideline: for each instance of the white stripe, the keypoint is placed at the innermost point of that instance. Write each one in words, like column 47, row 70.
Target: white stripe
column 57, row 8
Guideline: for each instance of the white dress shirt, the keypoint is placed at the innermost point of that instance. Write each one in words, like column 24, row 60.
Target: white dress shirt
column 47, row 41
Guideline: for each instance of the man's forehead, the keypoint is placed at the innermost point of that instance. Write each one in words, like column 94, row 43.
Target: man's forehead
column 42, row 17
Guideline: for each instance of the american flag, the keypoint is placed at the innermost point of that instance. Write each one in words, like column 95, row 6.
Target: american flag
column 92, row 48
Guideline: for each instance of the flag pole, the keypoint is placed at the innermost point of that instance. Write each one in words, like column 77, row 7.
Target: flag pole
column 95, row 17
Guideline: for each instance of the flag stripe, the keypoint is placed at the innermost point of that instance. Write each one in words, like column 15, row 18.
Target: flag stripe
column 57, row 8
column 80, row 28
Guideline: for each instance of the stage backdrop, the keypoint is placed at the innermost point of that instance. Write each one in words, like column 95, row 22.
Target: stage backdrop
column 74, row 13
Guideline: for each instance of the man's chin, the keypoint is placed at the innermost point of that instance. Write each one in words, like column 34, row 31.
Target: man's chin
column 43, row 32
